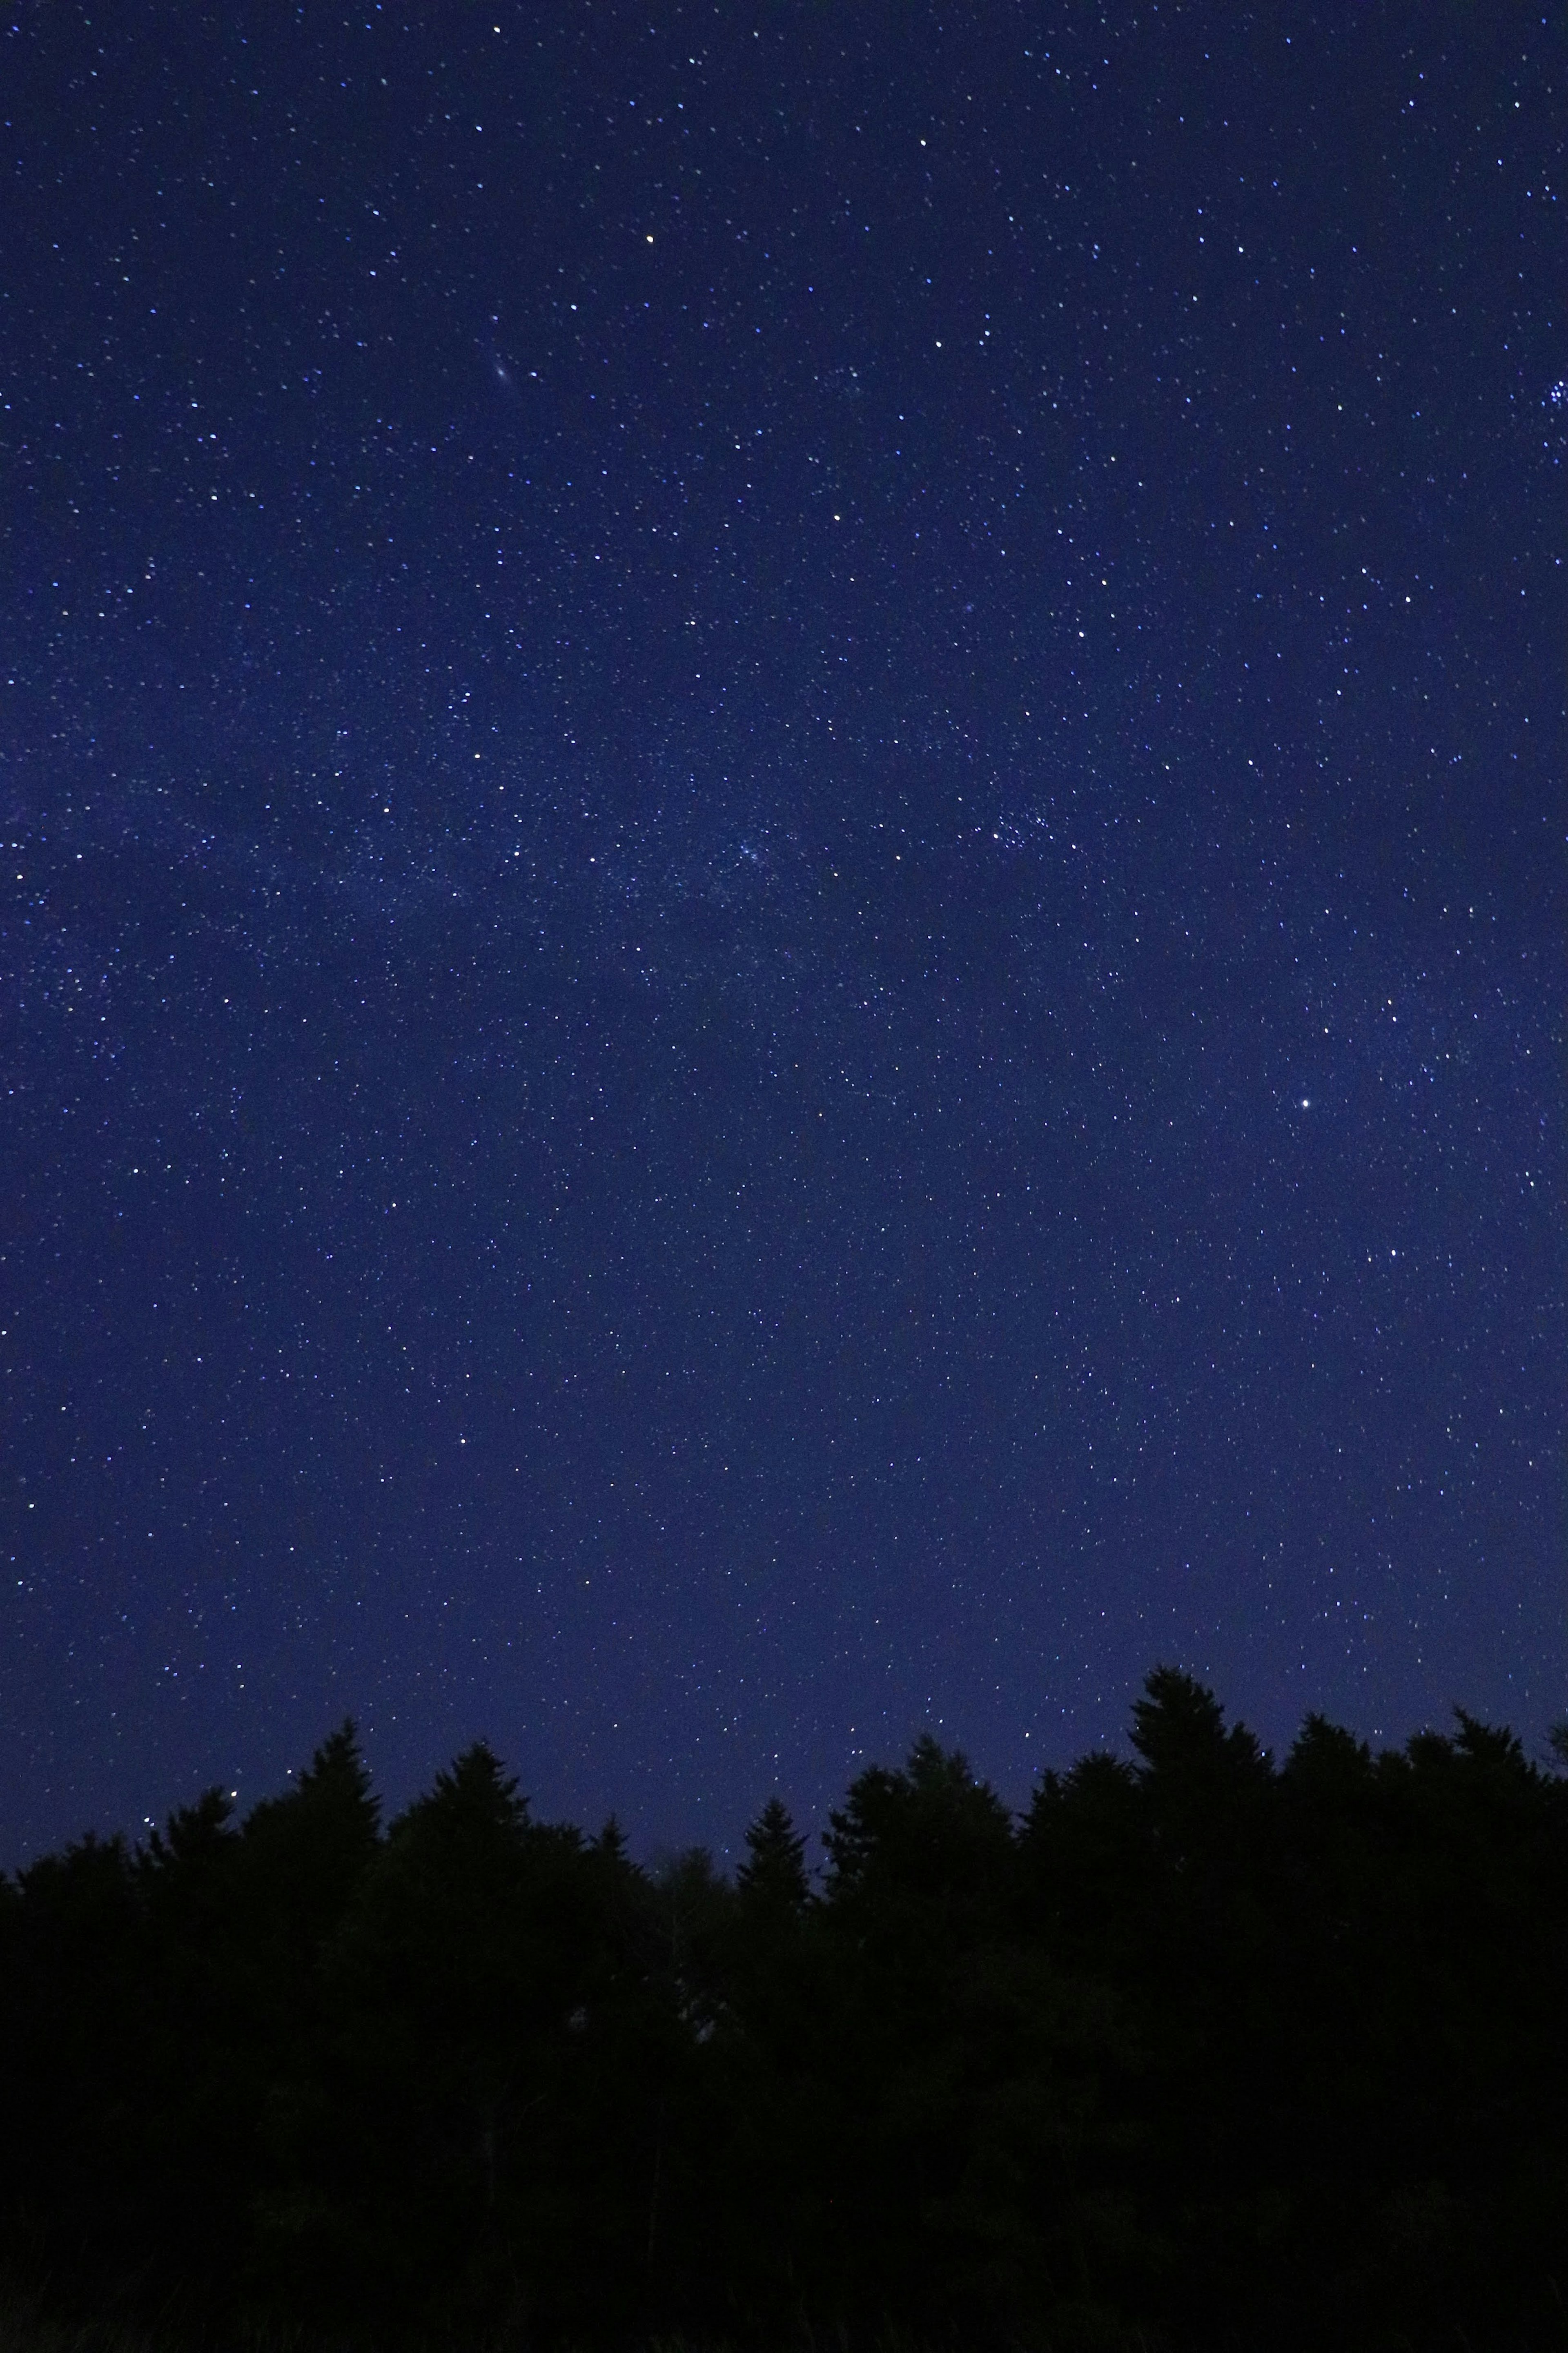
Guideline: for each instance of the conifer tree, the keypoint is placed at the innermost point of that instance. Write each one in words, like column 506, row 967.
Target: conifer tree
column 774, row 1873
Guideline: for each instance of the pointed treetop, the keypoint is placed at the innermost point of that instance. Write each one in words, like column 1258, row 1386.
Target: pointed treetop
column 1179, row 1731
column 611, row 1841
column 775, row 1868
column 339, row 1767
column 477, row 1787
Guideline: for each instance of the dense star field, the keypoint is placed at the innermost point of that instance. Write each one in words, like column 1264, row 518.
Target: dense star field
column 782, row 947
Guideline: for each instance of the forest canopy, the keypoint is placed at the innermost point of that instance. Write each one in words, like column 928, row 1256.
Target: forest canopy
column 1202, row 2047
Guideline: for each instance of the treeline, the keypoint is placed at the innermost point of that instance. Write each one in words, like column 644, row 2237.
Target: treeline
column 1199, row 2051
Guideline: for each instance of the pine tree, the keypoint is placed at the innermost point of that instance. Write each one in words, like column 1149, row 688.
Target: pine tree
column 774, row 1873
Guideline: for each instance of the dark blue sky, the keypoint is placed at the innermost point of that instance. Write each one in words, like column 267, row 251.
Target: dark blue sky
column 782, row 953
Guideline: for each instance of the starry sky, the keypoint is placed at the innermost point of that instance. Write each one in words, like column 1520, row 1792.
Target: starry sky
column 781, row 950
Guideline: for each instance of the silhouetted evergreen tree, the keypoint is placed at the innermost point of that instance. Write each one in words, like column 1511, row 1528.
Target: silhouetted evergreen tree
column 773, row 1879
column 206, row 2060
column 75, row 2086
column 762, row 2069
column 304, row 1856
column 954, row 2093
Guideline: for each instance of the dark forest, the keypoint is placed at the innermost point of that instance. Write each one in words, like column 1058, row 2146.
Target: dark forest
column 1203, row 2049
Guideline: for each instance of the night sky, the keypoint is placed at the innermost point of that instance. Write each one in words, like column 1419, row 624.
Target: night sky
column 782, row 956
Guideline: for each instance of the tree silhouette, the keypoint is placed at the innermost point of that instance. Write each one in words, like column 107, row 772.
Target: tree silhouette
column 774, row 1873
column 1198, row 2051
